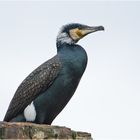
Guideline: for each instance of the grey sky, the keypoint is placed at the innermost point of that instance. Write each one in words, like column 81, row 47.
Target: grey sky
column 107, row 101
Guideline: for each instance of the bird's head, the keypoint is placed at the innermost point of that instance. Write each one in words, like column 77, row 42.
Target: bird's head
column 72, row 33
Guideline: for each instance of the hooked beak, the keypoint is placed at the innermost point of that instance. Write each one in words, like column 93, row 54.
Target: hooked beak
column 76, row 34
column 88, row 29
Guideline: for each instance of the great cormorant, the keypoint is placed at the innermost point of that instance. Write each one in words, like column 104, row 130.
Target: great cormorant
column 46, row 91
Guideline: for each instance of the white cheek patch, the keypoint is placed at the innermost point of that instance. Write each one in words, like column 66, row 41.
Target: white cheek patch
column 64, row 38
column 30, row 112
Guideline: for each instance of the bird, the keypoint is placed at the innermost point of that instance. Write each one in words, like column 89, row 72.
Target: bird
column 47, row 90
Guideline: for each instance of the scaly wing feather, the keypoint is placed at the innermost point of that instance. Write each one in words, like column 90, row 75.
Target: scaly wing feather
column 36, row 83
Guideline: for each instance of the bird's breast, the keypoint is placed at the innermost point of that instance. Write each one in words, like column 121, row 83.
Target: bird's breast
column 74, row 63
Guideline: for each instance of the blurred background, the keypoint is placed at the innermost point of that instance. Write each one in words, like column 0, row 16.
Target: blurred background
column 107, row 101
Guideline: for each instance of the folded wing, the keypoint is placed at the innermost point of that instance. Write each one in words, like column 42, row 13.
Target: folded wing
column 35, row 84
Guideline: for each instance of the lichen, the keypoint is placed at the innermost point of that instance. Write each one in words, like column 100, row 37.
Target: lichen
column 74, row 134
column 36, row 131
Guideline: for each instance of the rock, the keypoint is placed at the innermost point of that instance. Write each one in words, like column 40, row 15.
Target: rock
column 18, row 130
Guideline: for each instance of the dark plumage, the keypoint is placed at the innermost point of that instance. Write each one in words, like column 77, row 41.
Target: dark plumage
column 51, row 85
column 36, row 83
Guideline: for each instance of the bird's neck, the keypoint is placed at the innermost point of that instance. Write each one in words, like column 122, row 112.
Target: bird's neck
column 74, row 57
column 63, row 38
column 72, row 52
column 65, row 46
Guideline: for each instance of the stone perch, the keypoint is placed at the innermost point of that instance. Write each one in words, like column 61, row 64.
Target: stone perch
column 16, row 130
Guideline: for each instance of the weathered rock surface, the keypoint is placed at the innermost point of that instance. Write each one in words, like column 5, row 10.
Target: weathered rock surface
column 15, row 130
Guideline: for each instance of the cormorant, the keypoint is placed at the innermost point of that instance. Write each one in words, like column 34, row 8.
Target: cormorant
column 47, row 90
